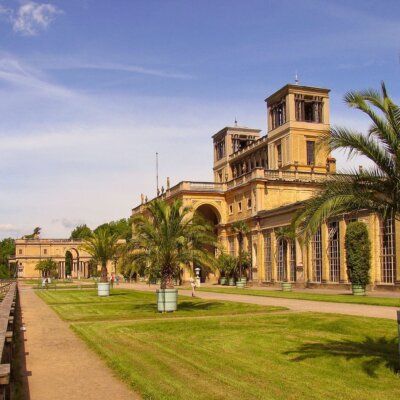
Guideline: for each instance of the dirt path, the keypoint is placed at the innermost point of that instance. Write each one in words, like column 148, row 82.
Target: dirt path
column 360, row 310
column 61, row 365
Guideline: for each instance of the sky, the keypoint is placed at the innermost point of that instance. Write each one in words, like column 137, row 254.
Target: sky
column 90, row 90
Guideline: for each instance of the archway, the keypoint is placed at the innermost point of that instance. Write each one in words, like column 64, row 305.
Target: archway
column 211, row 215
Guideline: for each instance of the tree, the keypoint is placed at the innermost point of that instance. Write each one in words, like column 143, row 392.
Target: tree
column 103, row 247
column 7, row 249
column 376, row 188
column 81, row 232
column 227, row 265
column 358, row 253
column 169, row 237
column 122, row 228
column 47, row 267
column 241, row 228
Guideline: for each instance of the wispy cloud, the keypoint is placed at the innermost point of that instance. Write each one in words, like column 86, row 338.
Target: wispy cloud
column 31, row 17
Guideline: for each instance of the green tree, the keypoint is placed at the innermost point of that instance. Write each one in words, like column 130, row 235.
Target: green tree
column 7, row 249
column 227, row 265
column 241, row 228
column 103, row 247
column 358, row 253
column 47, row 267
column 376, row 188
column 169, row 237
column 81, row 232
column 121, row 227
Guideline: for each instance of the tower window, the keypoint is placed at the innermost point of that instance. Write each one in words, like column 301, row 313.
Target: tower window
column 220, row 149
column 310, row 152
column 278, row 113
column 279, row 154
column 308, row 108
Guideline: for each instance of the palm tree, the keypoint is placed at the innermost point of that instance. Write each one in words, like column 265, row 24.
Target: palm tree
column 103, row 247
column 169, row 237
column 241, row 228
column 376, row 188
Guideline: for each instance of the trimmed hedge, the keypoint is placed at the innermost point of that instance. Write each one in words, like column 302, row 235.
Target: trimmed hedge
column 358, row 253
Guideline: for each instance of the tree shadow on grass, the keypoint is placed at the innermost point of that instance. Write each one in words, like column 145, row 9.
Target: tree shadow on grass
column 373, row 352
column 197, row 306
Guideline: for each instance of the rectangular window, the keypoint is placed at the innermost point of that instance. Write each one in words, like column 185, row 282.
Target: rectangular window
column 240, row 206
column 45, row 251
column 310, row 152
column 20, row 251
column 267, row 256
column 334, row 251
column 279, row 155
column 230, row 209
column 316, row 257
column 308, row 108
column 249, row 204
column 387, row 253
column 220, row 149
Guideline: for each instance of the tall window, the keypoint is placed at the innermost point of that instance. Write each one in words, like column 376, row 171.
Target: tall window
column 231, row 246
column 310, row 152
column 334, row 251
column 267, row 256
column 282, row 260
column 279, row 154
column 220, row 149
column 278, row 113
column 316, row 257
column 292, row 260
column 387, row 253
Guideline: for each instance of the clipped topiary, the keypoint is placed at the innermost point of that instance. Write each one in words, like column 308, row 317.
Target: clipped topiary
column 358, row 255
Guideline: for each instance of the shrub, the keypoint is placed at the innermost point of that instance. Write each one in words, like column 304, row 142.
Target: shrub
column 358, row 253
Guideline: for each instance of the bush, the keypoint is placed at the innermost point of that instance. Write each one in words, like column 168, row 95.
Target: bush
column 358, row 253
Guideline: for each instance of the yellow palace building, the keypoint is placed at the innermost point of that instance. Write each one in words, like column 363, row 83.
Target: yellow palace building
column 263, row 180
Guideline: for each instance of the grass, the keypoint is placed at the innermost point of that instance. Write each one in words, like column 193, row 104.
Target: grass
column 125, row 304
column 218, row 350
column 331, row 298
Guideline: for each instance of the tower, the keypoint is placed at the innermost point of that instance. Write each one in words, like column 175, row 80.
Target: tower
column 297, row 117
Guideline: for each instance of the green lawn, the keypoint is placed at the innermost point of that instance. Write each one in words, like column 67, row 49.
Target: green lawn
column 234, row 351
column 331, row 298
column 123, row 304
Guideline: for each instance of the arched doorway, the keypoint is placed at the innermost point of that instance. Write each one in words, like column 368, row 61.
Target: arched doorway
column 211, row 215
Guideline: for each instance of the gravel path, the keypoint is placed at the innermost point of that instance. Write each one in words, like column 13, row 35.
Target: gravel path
column 61, row 365
column 360, row 310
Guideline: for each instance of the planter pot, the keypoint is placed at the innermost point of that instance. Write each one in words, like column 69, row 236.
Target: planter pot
column 231, row 281
column 241, row 283
column 103, row 288
column 358, row 290
column 223, row 280
column 167, row 300
column 142, row 279
column 286, row 287
column 158, row 282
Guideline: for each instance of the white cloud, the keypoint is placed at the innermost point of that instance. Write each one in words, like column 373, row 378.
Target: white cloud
column 6, row 227
column 32, row 17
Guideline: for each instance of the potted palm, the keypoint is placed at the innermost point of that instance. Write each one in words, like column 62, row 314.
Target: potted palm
column 241, row 228
column 221, row 266
column 168, row 237
column 103, row 247
column 286, row 234
column 358, row 256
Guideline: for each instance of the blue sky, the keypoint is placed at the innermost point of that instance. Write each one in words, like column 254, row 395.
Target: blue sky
column 91, row 89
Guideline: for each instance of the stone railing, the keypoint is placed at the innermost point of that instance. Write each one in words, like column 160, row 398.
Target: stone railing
column 281, row 175
column 249, row 147
column 8, row 289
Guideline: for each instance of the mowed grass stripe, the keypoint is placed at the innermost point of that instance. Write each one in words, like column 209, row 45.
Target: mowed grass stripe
column 257, row 362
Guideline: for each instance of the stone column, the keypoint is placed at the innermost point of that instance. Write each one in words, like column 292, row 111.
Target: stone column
column 300, row 273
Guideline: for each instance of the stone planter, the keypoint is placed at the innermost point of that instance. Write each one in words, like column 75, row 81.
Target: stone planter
column 286, row 287
column 223, row 280
column 167, row 300
column 231, row 281
column 103, row 289
column 358, row 290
